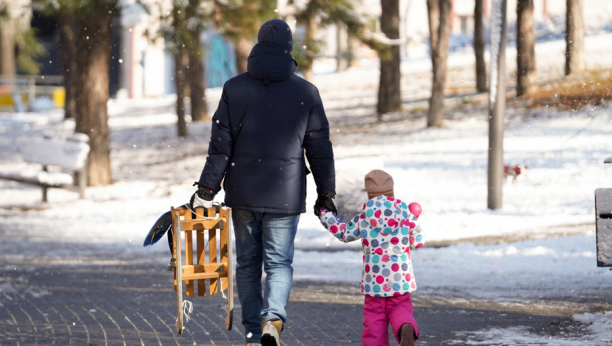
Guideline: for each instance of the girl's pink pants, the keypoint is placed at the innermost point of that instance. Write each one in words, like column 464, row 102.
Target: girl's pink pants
column 379, row 311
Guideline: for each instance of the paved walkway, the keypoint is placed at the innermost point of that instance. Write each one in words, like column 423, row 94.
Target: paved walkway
column 134, row 305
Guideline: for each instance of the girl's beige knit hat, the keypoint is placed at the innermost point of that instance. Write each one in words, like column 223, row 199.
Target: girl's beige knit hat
column 378, row 183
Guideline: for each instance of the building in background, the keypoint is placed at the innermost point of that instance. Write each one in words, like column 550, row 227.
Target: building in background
column 142, row 68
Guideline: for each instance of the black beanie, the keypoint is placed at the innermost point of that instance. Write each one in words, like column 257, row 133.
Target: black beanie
column 277, row 32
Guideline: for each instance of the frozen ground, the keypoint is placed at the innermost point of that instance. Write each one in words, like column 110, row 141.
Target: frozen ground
column 443, row 169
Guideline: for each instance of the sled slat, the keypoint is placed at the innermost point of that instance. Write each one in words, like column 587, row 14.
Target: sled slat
column 204, row 268
column 223, row 214
column 212, row 249
column 204, row 276
column 188, row 254
column 198, row 225
column 201, row 260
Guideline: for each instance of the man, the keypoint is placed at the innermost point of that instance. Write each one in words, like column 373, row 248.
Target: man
column 267, row 118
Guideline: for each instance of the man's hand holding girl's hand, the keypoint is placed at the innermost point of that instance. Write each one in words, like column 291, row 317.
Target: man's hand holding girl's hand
column 325, row 200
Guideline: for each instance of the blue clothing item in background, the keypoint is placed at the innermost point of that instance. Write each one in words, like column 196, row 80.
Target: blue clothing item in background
column 263, row 239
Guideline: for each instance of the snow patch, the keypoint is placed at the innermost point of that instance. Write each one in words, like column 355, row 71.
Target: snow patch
column 511, row 336
column 599, row 326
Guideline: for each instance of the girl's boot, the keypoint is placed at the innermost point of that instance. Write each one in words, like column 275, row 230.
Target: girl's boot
column 406, row 335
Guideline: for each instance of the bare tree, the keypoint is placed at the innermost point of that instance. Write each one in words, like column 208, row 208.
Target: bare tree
column 310, row 17
column 19, row 46
column 198, row 15
column 239, row 20
column 526, row 77
column 181, row 28
column 574, row 38
column 67, row 24
column 199, row 108
column 497, row 104
column 479, row 48
column 344, row 14
column 243, row 48
column 438, row 12
column 93, row 55
column 67, row 30
column 7, row 47
column 389, row 93
column 179, row 81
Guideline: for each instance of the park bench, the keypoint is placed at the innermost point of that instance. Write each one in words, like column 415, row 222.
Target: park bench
column 603, row 224
column 70, row 155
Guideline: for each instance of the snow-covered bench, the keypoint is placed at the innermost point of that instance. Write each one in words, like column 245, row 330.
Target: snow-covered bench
column 603, row 224
column 69, row 154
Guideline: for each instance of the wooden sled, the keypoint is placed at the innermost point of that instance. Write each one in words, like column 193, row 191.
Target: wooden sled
column 218, row 270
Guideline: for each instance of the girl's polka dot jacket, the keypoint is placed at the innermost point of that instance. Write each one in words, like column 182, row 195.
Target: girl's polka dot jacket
column 388, row 232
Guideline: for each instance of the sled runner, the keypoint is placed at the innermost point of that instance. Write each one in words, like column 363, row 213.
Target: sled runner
column 218, row 269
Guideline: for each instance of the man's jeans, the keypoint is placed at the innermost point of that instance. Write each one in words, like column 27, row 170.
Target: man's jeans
column 263, row 238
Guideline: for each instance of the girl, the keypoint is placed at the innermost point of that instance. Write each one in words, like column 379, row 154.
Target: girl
column 388, row 229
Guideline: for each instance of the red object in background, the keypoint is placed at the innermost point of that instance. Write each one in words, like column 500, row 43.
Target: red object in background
column 415, row 209
column 512, row 170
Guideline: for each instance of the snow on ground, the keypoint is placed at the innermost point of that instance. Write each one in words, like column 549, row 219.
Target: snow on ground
column 541, row 271
column 442, row 169
column 445, row 171
column 598, row 326
column 520, row 336
column 534, row 269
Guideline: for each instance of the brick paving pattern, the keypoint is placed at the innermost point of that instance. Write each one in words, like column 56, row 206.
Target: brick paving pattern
column 122, row 305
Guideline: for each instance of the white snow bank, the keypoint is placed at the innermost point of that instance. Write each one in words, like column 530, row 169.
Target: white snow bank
column 30, row 119
column 513, row 336
column 445, row 170
column 534, row 269
column 599, row 328
column 600, row 325
column 36, row 176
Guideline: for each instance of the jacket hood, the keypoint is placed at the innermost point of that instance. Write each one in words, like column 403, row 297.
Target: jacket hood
column 270, row 63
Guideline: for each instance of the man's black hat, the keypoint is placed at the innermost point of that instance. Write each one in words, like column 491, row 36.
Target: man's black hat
column 277, row 32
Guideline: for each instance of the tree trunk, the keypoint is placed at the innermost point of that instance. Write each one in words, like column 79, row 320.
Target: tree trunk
column 389, row 94
column 7, row 48
column 439, row 26
column 199, row 109
column 92, row 89
column 497, row 104
column 433, row 14
column 68, row 55
column 311, row 34
column 179, row 80
column 243, row 49
column 479, row 48
column 526, row 77
column 574, row 38
column 341, row 46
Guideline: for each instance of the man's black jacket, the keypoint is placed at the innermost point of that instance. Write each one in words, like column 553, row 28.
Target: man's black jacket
column 266, row 119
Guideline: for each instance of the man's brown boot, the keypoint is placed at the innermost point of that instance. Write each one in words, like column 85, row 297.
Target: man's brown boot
column 271, row 333
column 406, row 335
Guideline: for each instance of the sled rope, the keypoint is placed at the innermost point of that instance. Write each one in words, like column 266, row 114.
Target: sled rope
column 221, row 289
column 187, row 310
column 202, row 216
